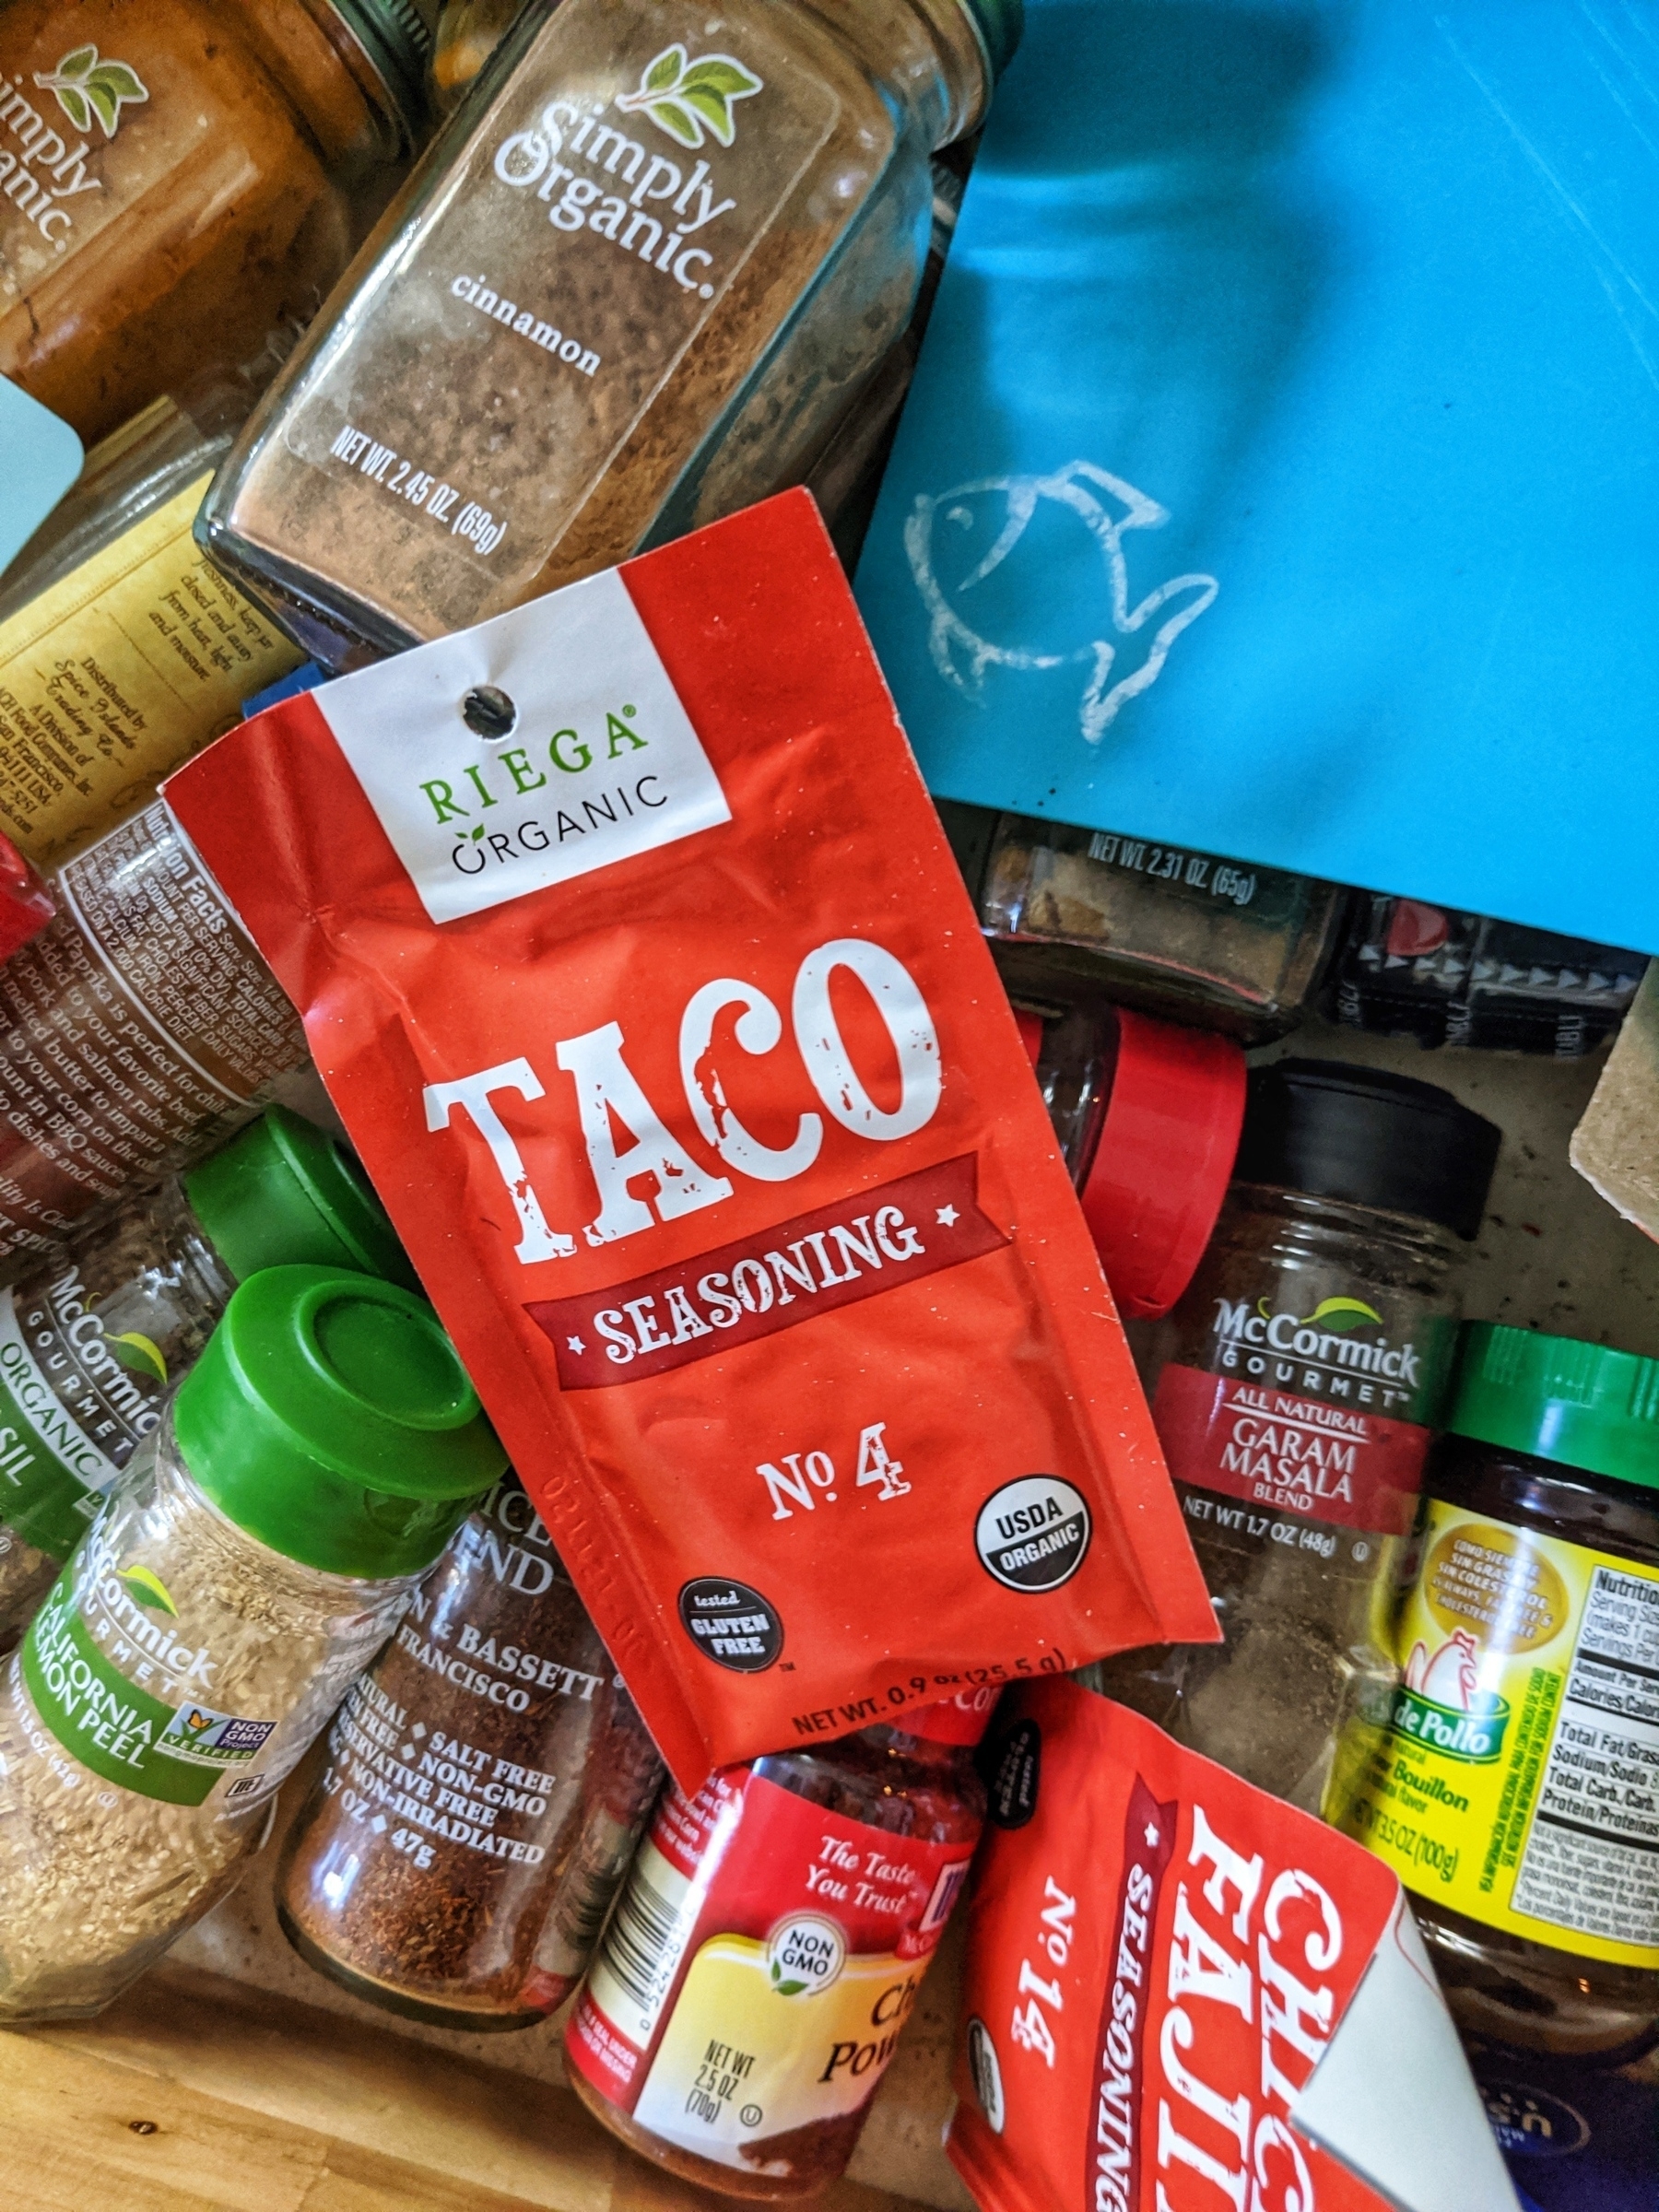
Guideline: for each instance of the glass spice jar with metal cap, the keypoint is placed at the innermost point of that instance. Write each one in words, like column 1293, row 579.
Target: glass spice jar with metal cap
column 92, row 1343
column 179, row 177
column 1308, row 1366
column 1514, row 1785
column 769, row 1944
column 485, row 1783
column 634, row 286
column 259, row 1549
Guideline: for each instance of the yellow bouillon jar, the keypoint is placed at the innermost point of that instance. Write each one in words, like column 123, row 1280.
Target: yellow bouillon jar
column 1515, row 1782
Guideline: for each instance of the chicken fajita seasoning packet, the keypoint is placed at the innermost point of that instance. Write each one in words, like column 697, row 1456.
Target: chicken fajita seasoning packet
column 632, row 952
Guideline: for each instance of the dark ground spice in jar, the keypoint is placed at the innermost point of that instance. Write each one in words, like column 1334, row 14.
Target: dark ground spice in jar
column 1312, row 1355
column 486, row 1780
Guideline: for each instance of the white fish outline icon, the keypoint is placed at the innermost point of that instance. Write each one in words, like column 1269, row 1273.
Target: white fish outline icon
column 950, row 640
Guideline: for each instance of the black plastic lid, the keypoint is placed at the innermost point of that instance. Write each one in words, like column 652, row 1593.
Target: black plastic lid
column 1371, row 1138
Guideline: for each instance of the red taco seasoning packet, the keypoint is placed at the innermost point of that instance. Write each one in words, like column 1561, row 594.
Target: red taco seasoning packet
column 1184, row 1995
column 634, row 957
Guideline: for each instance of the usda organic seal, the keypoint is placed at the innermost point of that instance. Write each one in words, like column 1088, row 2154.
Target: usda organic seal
column 1033, row 1534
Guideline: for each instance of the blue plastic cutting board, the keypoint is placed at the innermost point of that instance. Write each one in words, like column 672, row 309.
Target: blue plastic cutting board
column 1281, row 475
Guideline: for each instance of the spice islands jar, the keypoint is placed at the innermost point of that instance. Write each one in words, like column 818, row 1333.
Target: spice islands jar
column 1515, row 1788
column 176, row 179
column 635, row 285
column 259, row 1549
column 485, row 1783
column 767, row 1947
column 1309, row 1364
column 91, row 1344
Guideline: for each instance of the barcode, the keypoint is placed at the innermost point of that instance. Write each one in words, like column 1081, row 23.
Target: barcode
column 644, row 1943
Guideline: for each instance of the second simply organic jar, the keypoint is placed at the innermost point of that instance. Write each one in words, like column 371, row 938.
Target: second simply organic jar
column 256, row 1553
column 1308, row 1366
column 1515, row 1783
column 176, row 180
column 632, row 287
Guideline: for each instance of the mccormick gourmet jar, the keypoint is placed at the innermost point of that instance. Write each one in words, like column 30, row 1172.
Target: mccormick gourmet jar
column 91, row 1344
column 176, row 181
column 634, row 288
column 258, row 1550
column 1218, row 942
column 1515, row 1783
column 486, row 1783
column 768, row 1945
column 1309, row 1363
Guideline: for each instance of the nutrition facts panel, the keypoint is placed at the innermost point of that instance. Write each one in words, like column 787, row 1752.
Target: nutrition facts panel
column 1592, row 1860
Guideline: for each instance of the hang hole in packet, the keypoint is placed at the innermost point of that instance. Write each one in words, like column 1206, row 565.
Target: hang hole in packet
column 634, row 959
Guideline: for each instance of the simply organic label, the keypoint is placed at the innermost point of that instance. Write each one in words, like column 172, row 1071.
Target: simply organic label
column 1517, row 1776
column 116, row 1680
column 596, row 759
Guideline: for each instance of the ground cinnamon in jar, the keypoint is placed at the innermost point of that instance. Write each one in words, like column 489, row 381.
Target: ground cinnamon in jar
column 636, row 287
column 176, row 181
column 486, row 1781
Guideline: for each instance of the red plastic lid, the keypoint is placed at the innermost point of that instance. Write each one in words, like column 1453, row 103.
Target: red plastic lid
column 26, row 904
column 1164, row 1159
column 959, row 1719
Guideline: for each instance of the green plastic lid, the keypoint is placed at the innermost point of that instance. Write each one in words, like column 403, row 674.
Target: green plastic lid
column 1581, row 1404
column 286, row 1192
column 330, row 1418
column 999, row 24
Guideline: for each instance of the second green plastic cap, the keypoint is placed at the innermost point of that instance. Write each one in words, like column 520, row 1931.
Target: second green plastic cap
column 1581, row 1404
column 284, row 1193
column 330, row 1416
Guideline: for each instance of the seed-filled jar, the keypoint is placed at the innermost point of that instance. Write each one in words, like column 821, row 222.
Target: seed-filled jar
column 1147, row 1118
column 1515, row 1791
column 632, row 288
column 136, row 1032
column 91, row 1344
column 767, row 1947
column 485, row 1783
column 176, row 180
column 1309, row 1364
column 122, row 650
column 1222, row 942
column 260, row 1548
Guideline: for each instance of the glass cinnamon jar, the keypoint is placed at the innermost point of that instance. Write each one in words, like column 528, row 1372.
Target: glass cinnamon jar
column 1515, row 1783
column 177, row 177
column 1308, row 1367
column 633, row 286
column 768, row 1945
column 485, row 1783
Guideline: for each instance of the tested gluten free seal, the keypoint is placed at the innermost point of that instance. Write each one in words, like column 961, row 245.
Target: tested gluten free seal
column 1033, row 1535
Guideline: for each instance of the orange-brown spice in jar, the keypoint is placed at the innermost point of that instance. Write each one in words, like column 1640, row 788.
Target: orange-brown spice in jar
column 181, row 178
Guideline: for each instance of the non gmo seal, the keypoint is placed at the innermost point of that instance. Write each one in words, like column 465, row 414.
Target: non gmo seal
column 1033, row 1534
column 732, row 1624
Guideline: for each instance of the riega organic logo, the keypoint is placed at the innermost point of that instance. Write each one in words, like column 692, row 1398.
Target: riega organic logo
column 85, row 87
column 684, row 97
column 574, row 809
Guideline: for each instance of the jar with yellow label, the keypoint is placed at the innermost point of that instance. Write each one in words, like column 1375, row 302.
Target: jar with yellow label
column 123, row 650
column 1514, row 1780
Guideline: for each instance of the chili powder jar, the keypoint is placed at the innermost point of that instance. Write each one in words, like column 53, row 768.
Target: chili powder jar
column 642, row 273
column 767, row 1947
column 177, row 175
column 1311, row 1362
column 485, row 1783
column 1515, row 1790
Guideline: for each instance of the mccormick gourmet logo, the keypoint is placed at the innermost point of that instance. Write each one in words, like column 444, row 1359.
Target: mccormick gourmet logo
column 1324, row 1339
